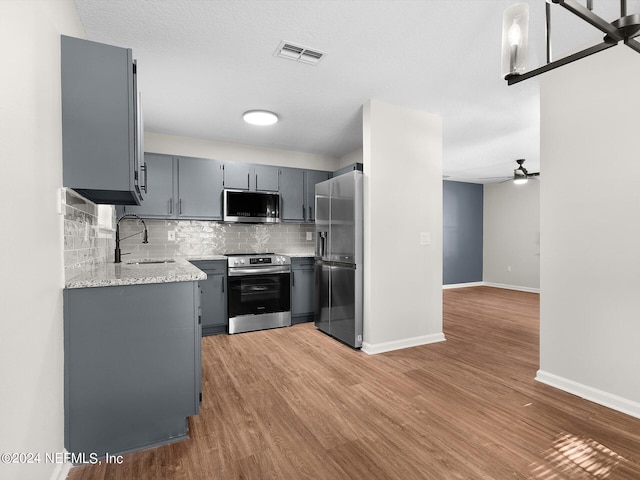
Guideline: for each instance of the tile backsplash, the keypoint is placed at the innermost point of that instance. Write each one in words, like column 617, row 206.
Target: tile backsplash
column 85, row 243
column 88, row 243
column 201, row 238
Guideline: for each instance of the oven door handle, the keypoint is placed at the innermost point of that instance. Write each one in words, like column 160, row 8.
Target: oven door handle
column 236, row 272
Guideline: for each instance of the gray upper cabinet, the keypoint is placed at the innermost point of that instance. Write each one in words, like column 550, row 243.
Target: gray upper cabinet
column 101, row 122
column 247, row 176
column 297, row 193
column 312, row 177
column 158, row 203
column 292, row 207
column 348, row 168
column 182, row 188
column 237, row 176
column 199, row 188
column 266, row 178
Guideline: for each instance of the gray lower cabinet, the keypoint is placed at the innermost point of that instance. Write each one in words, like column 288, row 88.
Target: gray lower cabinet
column 182, row 188
column 213, row 296
column 132, row 366
column 302, row 289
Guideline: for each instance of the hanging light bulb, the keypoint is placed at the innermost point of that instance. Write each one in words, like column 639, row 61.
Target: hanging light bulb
column 515, row 33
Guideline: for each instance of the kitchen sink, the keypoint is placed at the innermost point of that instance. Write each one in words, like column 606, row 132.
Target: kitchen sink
column 150, row 262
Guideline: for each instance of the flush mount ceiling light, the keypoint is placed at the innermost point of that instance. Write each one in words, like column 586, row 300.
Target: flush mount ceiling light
column 515, row 26
column 260, row 117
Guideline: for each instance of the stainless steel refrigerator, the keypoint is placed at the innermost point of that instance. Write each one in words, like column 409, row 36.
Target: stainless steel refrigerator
column 339, row 254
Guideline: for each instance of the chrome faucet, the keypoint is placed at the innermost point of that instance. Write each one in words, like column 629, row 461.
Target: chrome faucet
column 145, row 236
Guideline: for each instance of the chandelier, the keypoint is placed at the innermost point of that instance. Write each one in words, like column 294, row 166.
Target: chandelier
column 515, row 28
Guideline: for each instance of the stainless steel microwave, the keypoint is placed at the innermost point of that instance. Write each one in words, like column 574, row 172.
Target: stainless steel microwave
column 250, row 207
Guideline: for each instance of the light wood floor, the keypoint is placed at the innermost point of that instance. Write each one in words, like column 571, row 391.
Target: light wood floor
column 292, row 404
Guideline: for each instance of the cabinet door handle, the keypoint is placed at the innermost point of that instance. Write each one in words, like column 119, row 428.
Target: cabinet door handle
column 248, row 181
column 293, row 279
column 303, row 212
column 310, row 213
column 144, row 169
column 171, row 206
column 256, row 181
column 180, row 206
column 222, row 285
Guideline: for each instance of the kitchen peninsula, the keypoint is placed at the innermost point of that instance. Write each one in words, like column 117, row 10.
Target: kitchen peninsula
column 132, row 340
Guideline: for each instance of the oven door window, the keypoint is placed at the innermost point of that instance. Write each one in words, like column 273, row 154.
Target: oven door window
column 258, row 294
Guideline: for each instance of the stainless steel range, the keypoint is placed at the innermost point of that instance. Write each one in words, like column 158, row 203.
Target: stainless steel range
column 259, row 292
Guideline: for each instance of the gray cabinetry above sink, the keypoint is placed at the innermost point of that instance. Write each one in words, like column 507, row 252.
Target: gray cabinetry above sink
column 182, row 188
column 101, row 122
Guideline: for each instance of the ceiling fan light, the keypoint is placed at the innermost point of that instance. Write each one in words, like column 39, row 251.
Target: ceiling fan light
column 260, row 117
column 519, row 177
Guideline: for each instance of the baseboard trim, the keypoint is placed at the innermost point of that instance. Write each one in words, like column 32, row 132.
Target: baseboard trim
column 372, row 349
column 61, row 471
column 512, row 287
column 463, row 285
column 600, row 397
column 491, row 284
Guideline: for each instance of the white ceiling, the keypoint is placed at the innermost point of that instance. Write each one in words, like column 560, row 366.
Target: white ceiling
column 202, row 63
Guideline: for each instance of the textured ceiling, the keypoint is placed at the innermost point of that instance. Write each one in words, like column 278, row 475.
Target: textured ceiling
column 203, row 63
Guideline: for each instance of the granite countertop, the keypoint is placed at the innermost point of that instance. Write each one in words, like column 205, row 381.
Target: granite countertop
column 206, row 257
column 129, row 273
column 111, row 274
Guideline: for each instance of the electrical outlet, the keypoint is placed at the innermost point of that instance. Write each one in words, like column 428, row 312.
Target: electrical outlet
column 309, row 236
column 508, row 268
column 171, row 235
column 425, row 238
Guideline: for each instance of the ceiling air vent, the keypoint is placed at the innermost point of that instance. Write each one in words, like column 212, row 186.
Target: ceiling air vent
column 298, row 53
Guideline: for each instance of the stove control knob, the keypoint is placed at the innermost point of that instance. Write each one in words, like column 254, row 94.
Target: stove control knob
column 242, row 261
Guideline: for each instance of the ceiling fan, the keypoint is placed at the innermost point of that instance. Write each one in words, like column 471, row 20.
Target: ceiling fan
column 521, row 175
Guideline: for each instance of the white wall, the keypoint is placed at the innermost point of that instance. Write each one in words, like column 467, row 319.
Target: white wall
column 350, row 158
column 511, row 232
column 31, row 344
column 235, row 152
column 590, row 226
column 403, row 197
